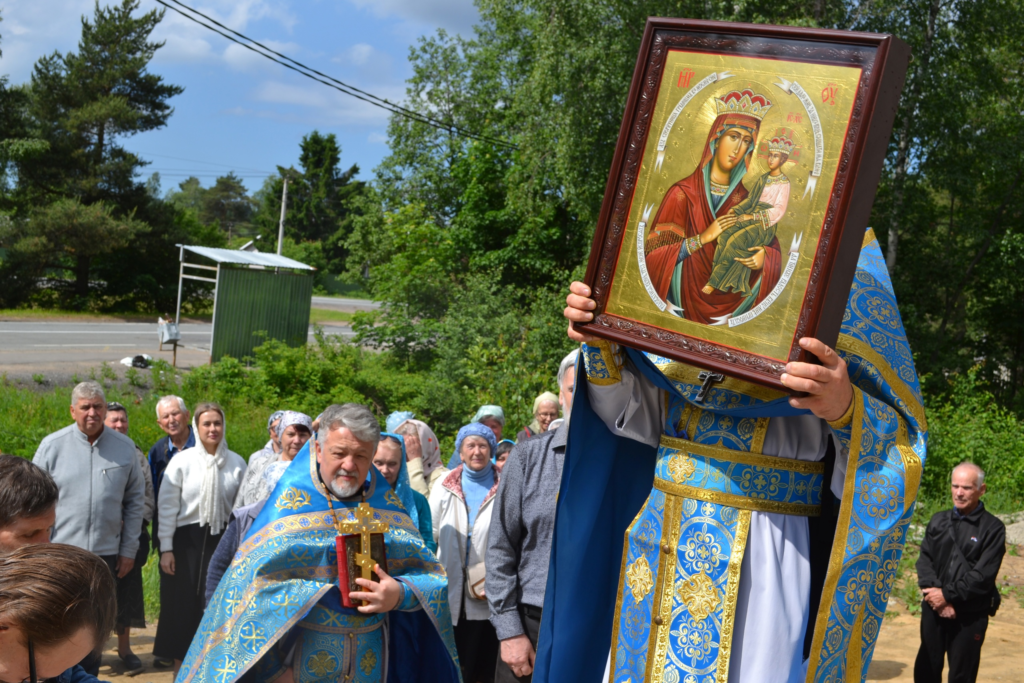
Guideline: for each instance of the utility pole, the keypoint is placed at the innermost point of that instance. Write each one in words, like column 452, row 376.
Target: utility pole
column 284, row 207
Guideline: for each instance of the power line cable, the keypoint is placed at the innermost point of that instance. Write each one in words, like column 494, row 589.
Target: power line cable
column 331, row 82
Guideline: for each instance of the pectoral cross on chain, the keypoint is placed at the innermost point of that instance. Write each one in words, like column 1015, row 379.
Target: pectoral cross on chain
column 708, row 378
column 365, row 526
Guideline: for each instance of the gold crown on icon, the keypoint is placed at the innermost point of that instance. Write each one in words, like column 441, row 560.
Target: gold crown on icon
column 780, row 143
column 743, row 102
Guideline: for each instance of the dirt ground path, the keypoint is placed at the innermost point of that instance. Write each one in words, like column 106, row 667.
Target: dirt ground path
column 893, row 661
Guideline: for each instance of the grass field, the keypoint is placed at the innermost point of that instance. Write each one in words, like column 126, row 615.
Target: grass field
column 44, row 314
column 322, row 316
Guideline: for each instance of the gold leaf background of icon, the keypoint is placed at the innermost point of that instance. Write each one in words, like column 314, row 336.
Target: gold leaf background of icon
column 770, row 333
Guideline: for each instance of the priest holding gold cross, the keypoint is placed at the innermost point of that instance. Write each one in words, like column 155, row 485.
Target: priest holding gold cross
column 333, row 582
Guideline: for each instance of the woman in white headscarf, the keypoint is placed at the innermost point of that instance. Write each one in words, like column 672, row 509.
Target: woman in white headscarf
column 194, row 505
column 422, row 449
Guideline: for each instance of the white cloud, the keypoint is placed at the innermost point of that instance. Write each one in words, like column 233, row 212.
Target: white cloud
column 316, row 104
column 456, row 16
column 33, row 29
column 358, row 54
column 377, row 138
column 187, row 41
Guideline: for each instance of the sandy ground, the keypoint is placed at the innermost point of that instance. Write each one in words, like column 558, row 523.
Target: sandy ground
column 893, row 660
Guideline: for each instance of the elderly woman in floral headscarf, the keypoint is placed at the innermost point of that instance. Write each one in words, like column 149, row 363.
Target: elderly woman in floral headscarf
column 423, row 451
column 293, row 431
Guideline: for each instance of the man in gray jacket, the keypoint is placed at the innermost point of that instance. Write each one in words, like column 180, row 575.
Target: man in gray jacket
column 102, row 490
column 519, row 541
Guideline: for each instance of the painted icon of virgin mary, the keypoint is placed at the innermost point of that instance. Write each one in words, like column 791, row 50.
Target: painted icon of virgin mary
column 680, row 248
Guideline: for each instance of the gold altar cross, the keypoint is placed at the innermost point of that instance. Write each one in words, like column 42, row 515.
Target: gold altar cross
column 364, row 525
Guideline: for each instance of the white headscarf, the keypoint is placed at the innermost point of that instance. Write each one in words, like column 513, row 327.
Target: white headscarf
column 214, row 510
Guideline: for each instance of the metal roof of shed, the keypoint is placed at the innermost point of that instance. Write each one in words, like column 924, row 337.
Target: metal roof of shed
column 250, row 258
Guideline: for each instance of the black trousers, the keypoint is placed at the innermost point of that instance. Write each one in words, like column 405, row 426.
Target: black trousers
column 960, row 639
column 182, row 596
column 531, row 622
column 477, row 646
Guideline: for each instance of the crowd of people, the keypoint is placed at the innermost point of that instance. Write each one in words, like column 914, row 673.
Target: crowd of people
column 91, row 489
column 487, row 517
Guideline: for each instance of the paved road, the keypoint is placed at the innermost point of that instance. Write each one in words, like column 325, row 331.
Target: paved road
column 348, row 305
column 69, row 347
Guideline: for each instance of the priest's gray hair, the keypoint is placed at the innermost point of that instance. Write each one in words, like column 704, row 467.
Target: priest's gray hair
column 355, row 417
column 87, row 389
column 978, row 472
column 568, row 362
column 164, row 400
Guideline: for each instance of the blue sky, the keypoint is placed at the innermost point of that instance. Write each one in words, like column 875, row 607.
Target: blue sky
column 242, row 112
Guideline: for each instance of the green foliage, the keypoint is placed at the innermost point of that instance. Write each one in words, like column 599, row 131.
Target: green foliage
column 83, row 101
column 65, row 232
column 134, row 378
column 323, row 200
column 226, row 204
column 971, row 425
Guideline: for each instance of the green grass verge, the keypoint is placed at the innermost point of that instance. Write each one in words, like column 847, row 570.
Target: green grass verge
column 33, row 314
column 321, row 316
column 28, row 414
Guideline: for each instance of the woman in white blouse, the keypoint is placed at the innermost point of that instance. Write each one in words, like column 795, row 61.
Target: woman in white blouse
column 194, row 506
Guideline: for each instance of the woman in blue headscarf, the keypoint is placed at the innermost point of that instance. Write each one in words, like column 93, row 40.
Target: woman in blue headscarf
column 460, row 507
column 391, row 462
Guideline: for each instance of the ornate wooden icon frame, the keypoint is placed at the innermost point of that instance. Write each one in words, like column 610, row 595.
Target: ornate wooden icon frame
column 883, row 60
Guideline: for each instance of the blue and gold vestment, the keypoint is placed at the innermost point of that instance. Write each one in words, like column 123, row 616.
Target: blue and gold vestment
column 663, row 600
column 280, row 595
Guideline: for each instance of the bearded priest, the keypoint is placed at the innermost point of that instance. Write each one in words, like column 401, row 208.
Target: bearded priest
column 279, row 614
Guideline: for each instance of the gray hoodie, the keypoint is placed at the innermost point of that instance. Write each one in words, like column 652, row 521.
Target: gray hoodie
column 102, row 490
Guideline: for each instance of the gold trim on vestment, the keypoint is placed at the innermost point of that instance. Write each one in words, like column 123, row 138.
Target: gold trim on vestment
column 760, row 432
column 732, row 589
column 869, row 237
column 611, row 363
column 640, row 579
column 843, row 421
column 622, row 585
column 734, row 501
column 661, row 610
column 898, row 386
column 743, row 457
column 835, row 562
column 222, row 633
column 618, row 605
column 854, row 653
column 911, row 465
column 683, row 372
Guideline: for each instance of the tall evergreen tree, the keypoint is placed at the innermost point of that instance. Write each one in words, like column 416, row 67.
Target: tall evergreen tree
column 322, row 199
column 82, row 104
column 228, row 205
column 85, row 102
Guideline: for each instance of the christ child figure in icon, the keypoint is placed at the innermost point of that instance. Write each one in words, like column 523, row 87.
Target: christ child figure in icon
column 757, row 219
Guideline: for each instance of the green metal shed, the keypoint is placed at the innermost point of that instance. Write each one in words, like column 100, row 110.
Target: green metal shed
column 253, row 293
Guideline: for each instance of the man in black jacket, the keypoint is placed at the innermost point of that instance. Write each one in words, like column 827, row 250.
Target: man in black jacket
column 957, row 569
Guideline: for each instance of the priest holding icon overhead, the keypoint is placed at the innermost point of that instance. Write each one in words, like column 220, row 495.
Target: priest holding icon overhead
column 331, row 562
